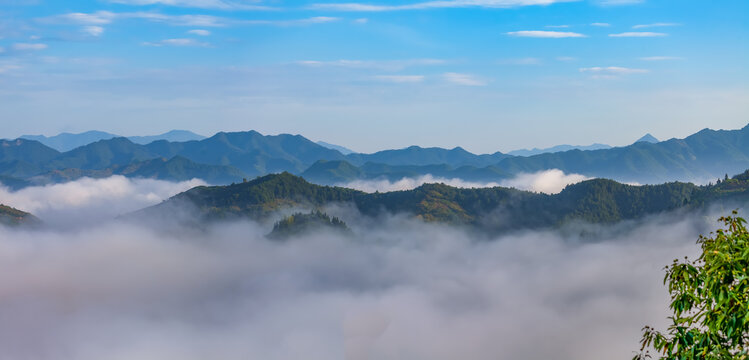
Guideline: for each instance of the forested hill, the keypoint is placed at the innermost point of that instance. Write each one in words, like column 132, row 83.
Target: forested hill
column 596, row 201
column 14, row 217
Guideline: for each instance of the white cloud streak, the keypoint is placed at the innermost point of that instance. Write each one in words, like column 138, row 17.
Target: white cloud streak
column 400, row 79
column 181, row 42
column 6, row 68
column 387, row 65
column 108, row 17
column 618, row 2
column 203, row 4
column 611, row 72
column 199, row 32
column 661, row 58
column 600, row 24
column 639, row 34
column 28, row 46
column 661, row 24
column 93, row 30
column 464, row 79
column 546, row 34
column 522, row 61
column 426, row 5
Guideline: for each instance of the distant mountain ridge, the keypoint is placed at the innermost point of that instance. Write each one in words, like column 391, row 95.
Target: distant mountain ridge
column 648, row 139
column 558, row 148
column 66, row 141
column 704, row 156
column 341, row 149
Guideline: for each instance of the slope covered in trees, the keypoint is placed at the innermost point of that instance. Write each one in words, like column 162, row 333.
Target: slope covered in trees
column 496, row 209
column 300, row 223
column 15, row 217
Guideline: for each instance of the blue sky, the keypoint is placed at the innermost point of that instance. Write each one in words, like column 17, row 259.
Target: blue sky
column 486, row 75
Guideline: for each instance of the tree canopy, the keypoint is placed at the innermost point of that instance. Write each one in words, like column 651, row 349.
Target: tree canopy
column 709, row 300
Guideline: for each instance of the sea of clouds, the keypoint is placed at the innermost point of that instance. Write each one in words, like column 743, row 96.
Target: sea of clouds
column 397, row 289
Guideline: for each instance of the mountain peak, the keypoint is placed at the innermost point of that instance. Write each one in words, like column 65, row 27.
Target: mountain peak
column 648, row 138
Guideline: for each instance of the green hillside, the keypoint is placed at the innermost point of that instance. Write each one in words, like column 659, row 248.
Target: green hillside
column 14, row 217
column 497, row 209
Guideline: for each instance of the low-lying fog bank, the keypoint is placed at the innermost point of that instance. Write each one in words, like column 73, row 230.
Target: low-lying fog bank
column 91, row 201
column 400, row 290
column 549, row 181
column 81, row 289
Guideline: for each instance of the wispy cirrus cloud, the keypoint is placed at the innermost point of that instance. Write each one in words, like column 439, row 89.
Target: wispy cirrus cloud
column 6, row 68
column 660, row 58
column 521, row 61
column 464, row 79
column 108, row 17
column 660, row 24
column 400, row 79
column 199, row 32
column 546, row 34
column 203, row 4
column 617, row 2
column 387, row 65
column 611, row 72
column 28, row 46
column 93, row 30
column 425, row 5
column 639, row 34
column 181, row 42
column 600, row 24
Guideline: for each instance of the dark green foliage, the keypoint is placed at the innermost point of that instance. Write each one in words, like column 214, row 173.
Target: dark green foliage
column 14, row 217
column 494, row 209
column 262, row 196
column 709, row 300
column 300, row 223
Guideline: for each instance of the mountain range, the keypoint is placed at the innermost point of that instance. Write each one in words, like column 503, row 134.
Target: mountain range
column 231, row 157
column 67, row 141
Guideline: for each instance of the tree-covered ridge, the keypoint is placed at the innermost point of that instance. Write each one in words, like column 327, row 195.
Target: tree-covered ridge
column 13, row 217
column 497, row 208
column 299, row 223
column 260, row 197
